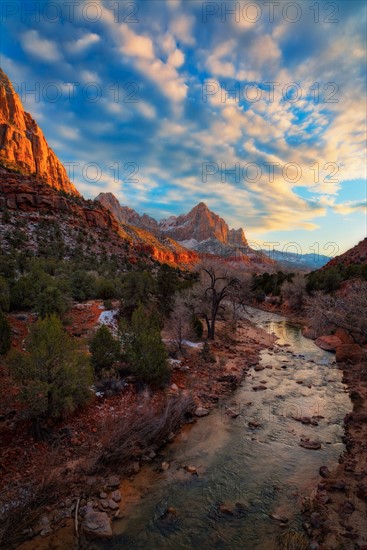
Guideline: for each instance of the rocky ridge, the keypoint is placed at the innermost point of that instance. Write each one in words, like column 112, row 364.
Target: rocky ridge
column 201, row 231
column 355, row 255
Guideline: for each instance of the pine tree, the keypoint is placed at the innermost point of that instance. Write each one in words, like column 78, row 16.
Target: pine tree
column 54, row 375
column 105, row 349
column 144, row 349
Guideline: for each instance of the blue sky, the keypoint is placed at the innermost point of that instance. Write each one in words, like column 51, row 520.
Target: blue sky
column 138, row 96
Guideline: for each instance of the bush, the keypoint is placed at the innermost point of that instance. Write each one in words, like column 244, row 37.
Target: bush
column 197, row 326
column 54, row 374
column 137, row 288
column 105, row 349
column 4, row 294
column 144, row 350
column 5, row 334
column 50, row 301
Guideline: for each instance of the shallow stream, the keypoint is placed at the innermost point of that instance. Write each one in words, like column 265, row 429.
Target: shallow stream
column 261, row 467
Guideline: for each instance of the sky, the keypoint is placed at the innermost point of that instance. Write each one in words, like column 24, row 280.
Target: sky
column 256, row 108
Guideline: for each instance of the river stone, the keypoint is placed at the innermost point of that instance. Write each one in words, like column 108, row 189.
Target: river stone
column 324, row 471
column 200, row 411
column 97, row 524
column 116, row 496
column 223, row 509
column 328, row 342
column 282, row 519
column 259, row 367
column 259, row 388
column 313, row 445
column 113, row 481
column 253, row 424
column 112, row 504
column 232, row 413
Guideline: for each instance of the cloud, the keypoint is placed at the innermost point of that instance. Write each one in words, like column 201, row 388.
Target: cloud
column 181, row 28
column 69, row 133
column 90, row 76
column 39, row 47
column 83, row 43
column 176, row 58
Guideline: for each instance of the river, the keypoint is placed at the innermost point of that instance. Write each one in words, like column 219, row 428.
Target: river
column 260, row 467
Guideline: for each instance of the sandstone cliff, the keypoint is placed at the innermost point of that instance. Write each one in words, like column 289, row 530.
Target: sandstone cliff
column 23, row 145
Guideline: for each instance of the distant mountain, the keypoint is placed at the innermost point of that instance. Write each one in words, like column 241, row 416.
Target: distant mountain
column 201, row 229
column 124, row 214
column 23, row 146
column 292, row 260
column 356, row 255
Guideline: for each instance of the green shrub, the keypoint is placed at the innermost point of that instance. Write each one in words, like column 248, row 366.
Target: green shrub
column 105, row 349
column 4, row 294
column 5, row 334
column 51, row 300
column 197, row 326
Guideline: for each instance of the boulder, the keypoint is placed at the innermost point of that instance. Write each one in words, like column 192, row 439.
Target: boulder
column 328, row 343
column 308, row 332
column 97, row 525
column 349, row 353
column 344, row 336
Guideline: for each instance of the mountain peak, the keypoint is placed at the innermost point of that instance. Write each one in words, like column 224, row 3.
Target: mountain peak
column 23, row 145
column 201, row 206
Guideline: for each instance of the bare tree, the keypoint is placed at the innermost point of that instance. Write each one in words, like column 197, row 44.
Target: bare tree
column 346, row 308
column 239, row 295
column 294, row 291
column 215, row 287
column 178, row 325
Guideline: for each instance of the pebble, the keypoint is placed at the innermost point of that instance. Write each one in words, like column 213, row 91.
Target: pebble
column 200, row 411
column 112, row 504
column 113, row 481
column 116, row 496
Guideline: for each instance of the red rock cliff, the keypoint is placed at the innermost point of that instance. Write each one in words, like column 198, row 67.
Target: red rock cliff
column 23, row 145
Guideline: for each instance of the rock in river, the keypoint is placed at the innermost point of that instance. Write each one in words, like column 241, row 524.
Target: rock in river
column 97, row 524
column 200, row 411
column 307, row 444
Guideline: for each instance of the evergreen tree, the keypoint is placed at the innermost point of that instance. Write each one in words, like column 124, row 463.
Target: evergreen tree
column 54, row 375
column 144, row 349
column 105, row 349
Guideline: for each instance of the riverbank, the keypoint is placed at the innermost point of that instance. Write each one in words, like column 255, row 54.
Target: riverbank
column 70, row 457
column 336, row 515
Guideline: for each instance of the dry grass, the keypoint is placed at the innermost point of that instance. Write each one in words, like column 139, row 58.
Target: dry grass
column 292, row 540
column 130, row 437
column 20, row 516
